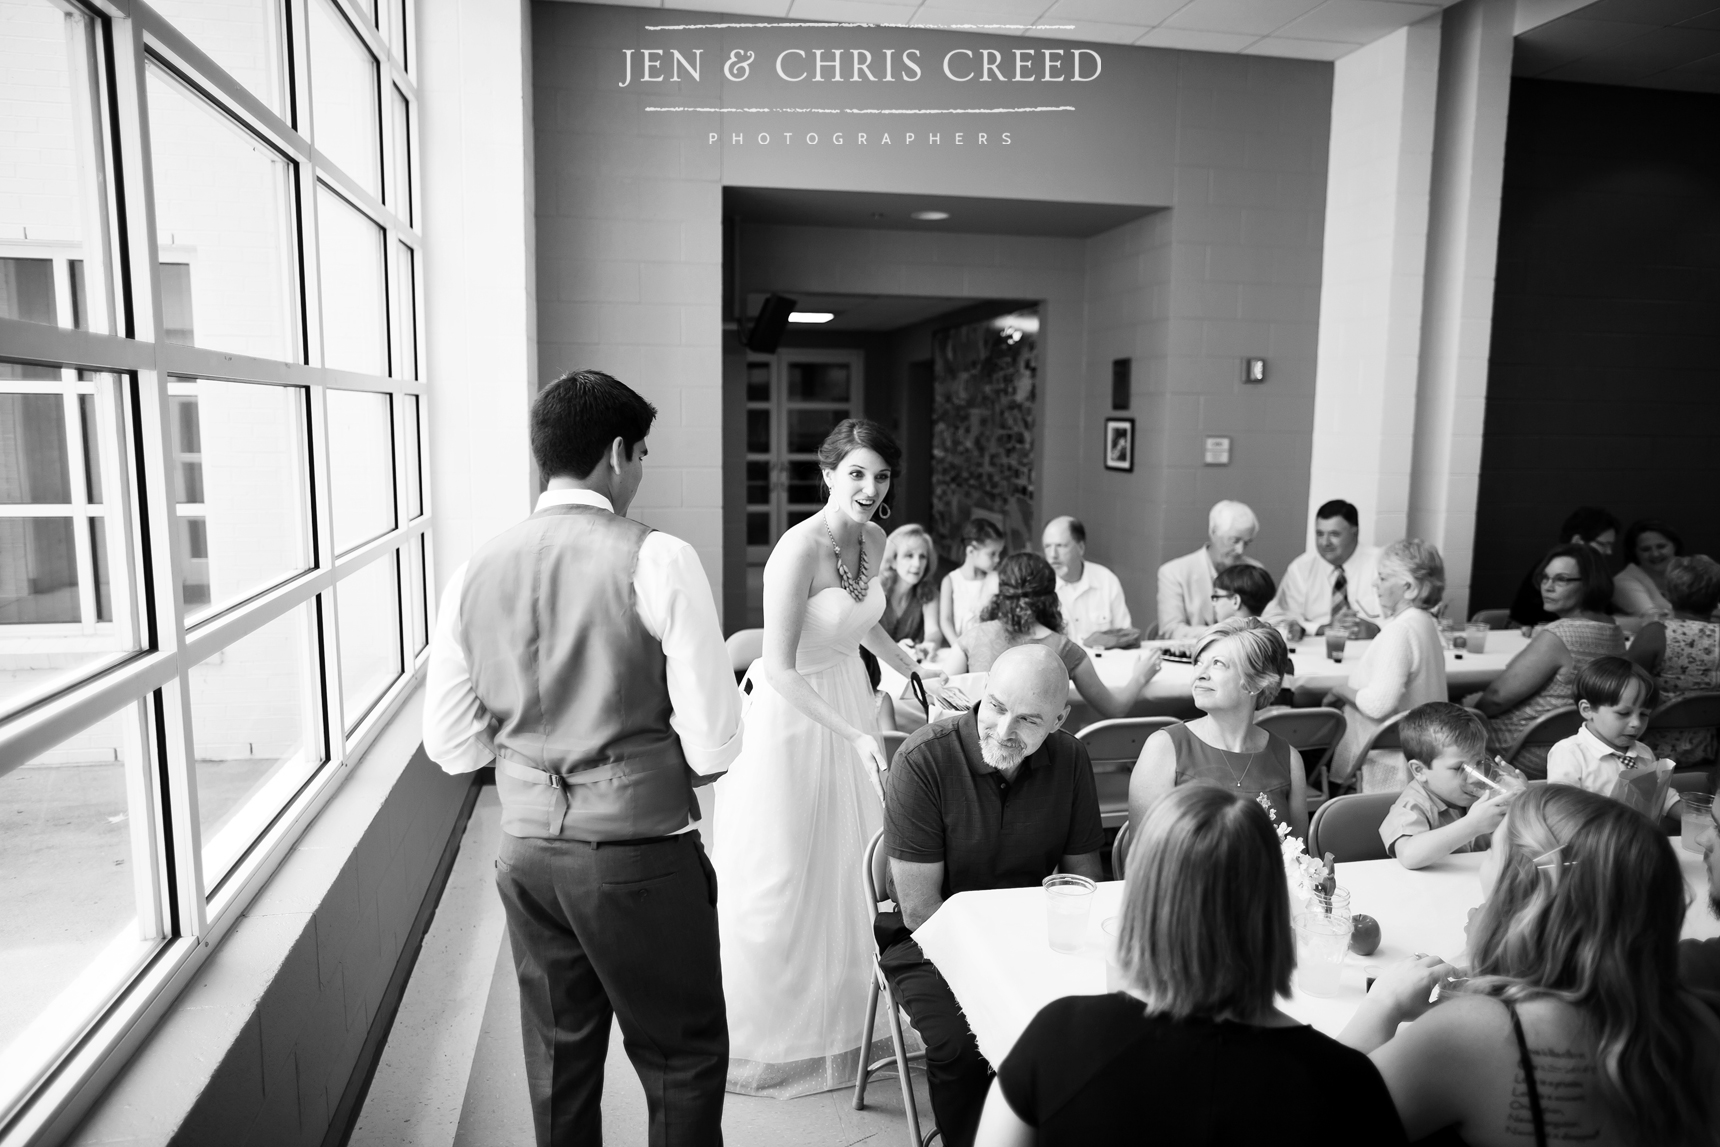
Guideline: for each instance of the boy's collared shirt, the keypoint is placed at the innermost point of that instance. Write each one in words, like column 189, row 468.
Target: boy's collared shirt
column 1416, row 811
column 1586, row 761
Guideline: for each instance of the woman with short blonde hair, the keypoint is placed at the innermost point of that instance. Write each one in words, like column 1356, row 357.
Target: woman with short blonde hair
column 1205, row 948
column 1239, row 667
column 910, row 590
column 1403, row 667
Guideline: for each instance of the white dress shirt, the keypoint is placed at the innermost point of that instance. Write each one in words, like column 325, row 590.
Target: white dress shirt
column 673, row 599
column 1185, row 595
column 1305, row 594
column 1586, row 761
column 1092, row 602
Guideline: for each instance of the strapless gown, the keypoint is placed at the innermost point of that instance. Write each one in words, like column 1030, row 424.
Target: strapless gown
column 792, row 820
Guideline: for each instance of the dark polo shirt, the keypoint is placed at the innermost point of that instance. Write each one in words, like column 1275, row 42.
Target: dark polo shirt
column 945, row 804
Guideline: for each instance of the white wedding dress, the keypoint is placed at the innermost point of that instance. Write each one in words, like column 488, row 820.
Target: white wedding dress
column 792, row 820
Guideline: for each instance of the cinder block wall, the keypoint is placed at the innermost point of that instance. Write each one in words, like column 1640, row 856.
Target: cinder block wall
column 261, row 1049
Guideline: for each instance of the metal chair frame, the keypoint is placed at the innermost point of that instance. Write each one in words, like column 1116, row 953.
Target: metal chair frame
column 1564, row 721
column 1120, row 849
column 1352, row 806
column 1385, row 737
column 872, row 874
column 1134, row 732
column 1492, row 618
column 1308, row 730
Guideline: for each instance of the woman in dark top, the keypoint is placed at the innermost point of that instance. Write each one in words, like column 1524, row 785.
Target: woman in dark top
column 910, row 591
column 1588, row 525
column 1573, row 1026
column 1239, row 666
column 1194, row 1053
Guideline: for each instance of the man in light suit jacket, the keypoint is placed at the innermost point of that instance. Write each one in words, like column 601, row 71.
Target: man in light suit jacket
column 1185, row 583
column 580, row 651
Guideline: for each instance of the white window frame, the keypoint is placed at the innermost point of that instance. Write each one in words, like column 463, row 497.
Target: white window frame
column 180, row 919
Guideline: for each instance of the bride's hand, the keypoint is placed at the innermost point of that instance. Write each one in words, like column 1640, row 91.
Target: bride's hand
column 871, row 753
column 933, row 678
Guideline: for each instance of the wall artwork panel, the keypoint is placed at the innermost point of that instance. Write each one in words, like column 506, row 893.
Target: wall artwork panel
column 985, row 378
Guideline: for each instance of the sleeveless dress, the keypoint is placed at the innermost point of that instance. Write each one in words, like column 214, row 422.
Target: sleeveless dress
column 967, row 598
column 792, row 820
column 1586, row 641
column 1690, row 664
column 1266, row 771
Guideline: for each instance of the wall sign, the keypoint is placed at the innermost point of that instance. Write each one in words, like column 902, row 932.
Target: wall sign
column 1120, row 444
column 1218, row 451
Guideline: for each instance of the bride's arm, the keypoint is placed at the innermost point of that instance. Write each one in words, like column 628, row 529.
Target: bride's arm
column 787, row 587
column 889, row 651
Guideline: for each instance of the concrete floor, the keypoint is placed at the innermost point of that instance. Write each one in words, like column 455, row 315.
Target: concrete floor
column 452, row 1074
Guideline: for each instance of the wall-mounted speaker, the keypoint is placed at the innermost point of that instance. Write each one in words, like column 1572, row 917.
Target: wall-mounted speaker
column 772, row 320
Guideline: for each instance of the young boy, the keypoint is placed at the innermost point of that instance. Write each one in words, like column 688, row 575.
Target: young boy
column 967, row 588
column 1615, row 697
column 1439, row 813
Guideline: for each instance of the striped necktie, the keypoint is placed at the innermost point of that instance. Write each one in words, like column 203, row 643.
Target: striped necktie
column 1340, row 594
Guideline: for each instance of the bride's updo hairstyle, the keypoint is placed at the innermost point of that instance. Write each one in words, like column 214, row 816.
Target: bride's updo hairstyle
column 1026, row 593
column 853, row 434
column 1265, row 659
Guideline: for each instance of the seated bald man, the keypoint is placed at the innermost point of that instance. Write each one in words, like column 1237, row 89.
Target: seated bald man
column 1000, row 797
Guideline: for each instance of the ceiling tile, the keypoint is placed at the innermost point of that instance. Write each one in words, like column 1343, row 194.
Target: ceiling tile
column 1257, row 16
column 737, row 7
column 1139, row 12
column 1287, row 48
column 1192, row 41
column 857, row 11
column 1355, row 21
column 1709, row 19
column 971, row 19
column 994, row 11
column 1089, row 30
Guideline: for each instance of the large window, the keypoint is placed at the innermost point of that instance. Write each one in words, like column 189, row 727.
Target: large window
column 214, row 556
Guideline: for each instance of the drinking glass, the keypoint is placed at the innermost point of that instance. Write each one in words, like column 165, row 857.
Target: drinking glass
column 1477, row 635
column 1068, row 900
column 1336, row 902
column 1696, row 820
column 1321, row 942
column 1336, row 638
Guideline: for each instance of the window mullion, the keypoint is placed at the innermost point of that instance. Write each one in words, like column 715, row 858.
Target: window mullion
column 143, row 798
column 323, row 525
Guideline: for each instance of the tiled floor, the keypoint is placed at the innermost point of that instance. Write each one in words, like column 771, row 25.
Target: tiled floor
column 452, row 1076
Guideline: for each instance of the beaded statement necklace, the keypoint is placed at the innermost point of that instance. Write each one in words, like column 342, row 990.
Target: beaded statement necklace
column 853, row 584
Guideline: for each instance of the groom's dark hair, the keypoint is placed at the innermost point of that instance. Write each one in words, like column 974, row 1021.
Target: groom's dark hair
column 577, row 416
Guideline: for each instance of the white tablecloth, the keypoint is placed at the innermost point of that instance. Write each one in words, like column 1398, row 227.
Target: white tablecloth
column 991, row 946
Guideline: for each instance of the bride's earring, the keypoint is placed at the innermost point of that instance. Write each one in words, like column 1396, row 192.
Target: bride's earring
column 884, row 510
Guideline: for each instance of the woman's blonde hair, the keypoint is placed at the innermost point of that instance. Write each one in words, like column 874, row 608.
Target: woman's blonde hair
column 1587, row 909
column 1265, row 657
column 1421, row 564
column 1206, row 913
column 926, row 590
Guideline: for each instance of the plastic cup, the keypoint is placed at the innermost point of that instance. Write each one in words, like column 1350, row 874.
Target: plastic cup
column 1111, row 926
column 1068, row 900
column 1336, row 639
column 1335, row 903
column 1321, row 942
column 1695, row 820
column 1477, row 637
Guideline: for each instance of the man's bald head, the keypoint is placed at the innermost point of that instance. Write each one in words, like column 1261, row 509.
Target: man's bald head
column 1026, row 700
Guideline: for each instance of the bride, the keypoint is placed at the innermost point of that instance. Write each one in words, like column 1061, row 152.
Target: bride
column 797, row 807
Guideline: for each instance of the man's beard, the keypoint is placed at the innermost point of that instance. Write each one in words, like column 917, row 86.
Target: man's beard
column 998, row 756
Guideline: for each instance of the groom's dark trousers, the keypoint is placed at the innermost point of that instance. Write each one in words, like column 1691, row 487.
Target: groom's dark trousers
column 622, row 929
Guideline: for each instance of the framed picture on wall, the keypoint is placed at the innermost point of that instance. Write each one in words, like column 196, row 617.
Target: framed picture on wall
column 1120, row 444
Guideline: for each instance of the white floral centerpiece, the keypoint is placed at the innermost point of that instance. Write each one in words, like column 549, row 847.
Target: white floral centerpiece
column 1304, row 874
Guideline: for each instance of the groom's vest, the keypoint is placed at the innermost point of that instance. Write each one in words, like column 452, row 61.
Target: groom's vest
column 573, row 683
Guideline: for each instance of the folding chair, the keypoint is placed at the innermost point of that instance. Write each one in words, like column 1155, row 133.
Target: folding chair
column 745, row 646
column 1114, row 746
column 1492, row 618
column 1348, row 827
column 1120, row 850
column 1548, row 730
column 872, row 872
column 892, row 744
column 1312, row 732
column 1385, row 737
column 1691, row 711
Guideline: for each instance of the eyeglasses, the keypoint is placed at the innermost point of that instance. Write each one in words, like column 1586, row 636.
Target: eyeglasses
column 1217, row 596
column 1559, row 581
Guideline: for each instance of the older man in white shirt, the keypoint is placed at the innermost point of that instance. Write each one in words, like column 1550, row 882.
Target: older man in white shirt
column 1185, row 583
column 1090, row 595
column 1333, row 582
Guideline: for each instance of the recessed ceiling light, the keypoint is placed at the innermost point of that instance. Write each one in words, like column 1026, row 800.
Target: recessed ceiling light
column 931, row 216
column 810, row 316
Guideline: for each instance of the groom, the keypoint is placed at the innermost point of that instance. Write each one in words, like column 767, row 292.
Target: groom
column 580, row 651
